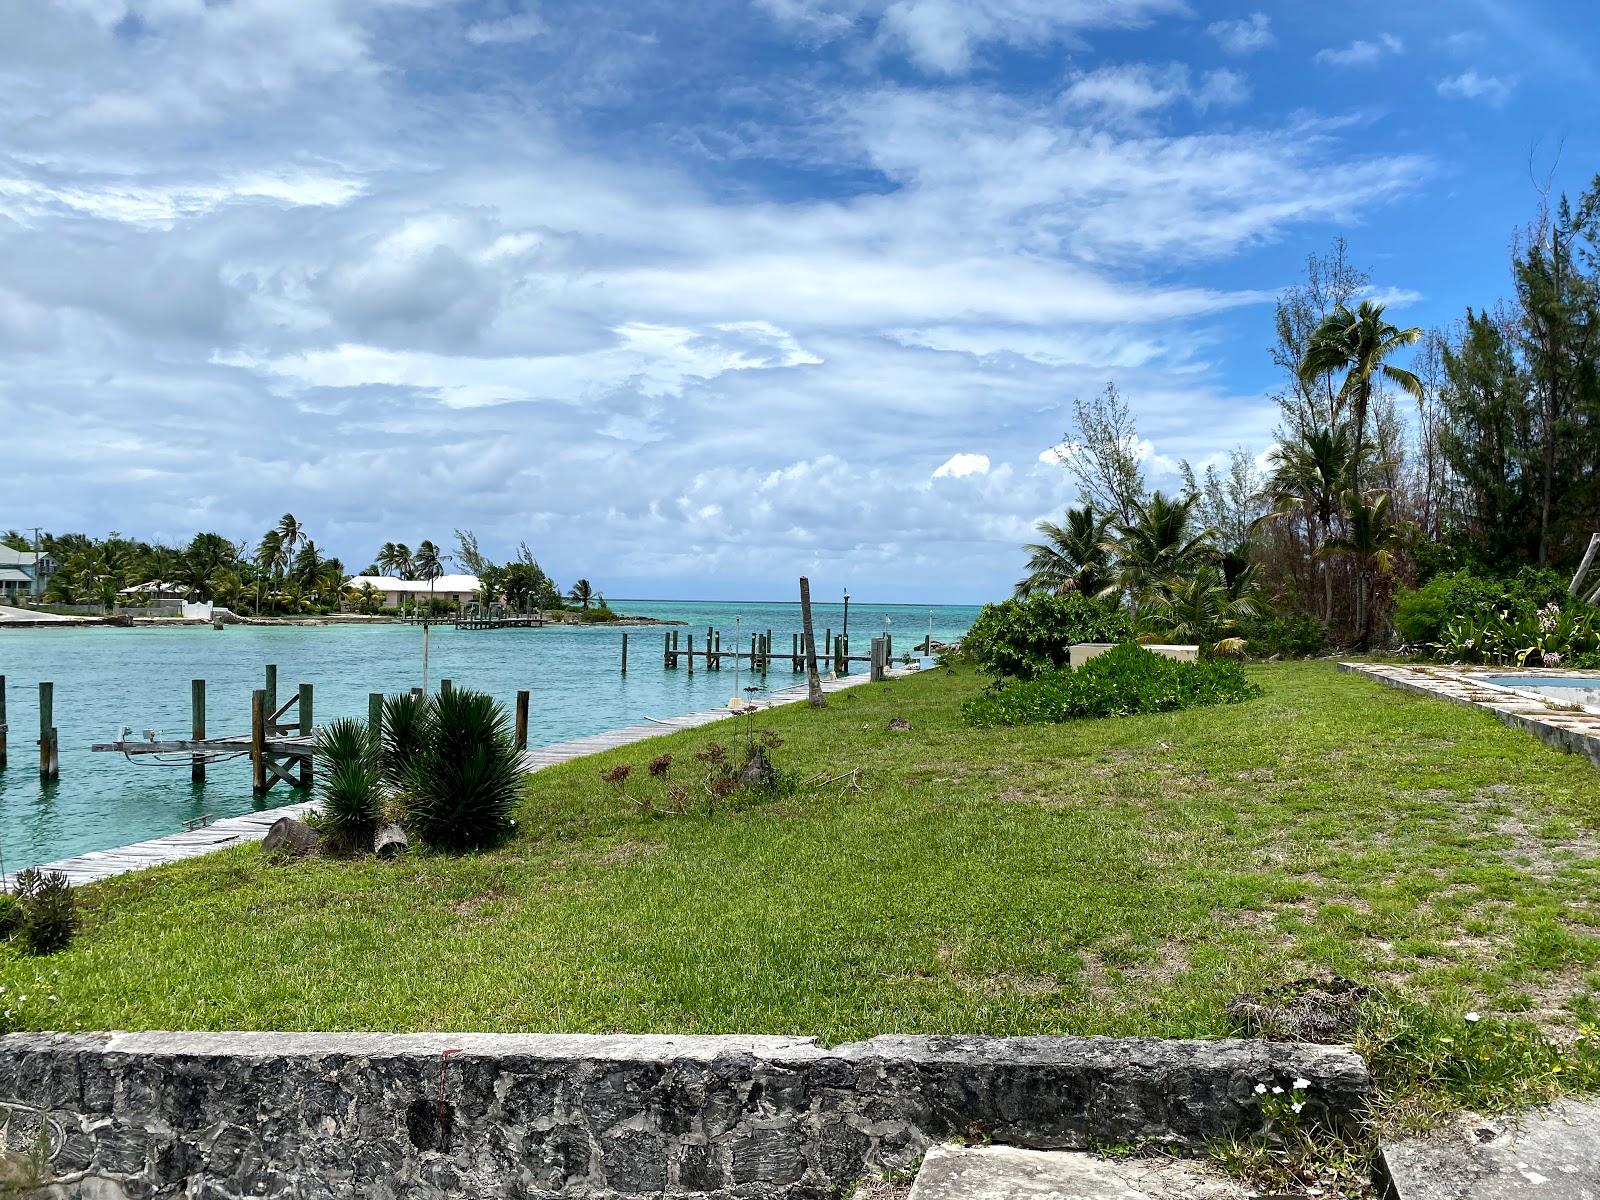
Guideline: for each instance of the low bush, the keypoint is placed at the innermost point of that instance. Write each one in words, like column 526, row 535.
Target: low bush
column 406, row 721
column 1278, row 635
column 596, row 616
column 349, row 784
column 1121, row 682
column 11, row 916
column 1551, row 636
column 49, row 910
column 1024, row 639
column 1421, row 614
column 463, row 779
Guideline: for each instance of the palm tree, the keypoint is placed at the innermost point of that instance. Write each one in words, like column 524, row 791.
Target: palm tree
column 1371, row 541
column 582, row 593
column 1357, row 344
column 427, row 562
column 291, row 531
column 368, row 598
column 1312, row 474
column 1203, row 608
column 394, row 557
column 1161, row 543
column 1072, row 557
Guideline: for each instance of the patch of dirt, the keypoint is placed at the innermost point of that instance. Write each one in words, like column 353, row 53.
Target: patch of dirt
column 1107, row 981
column 1541, row 857
column 1323, row 1009
column 1007, row 983
column 1257, row 775
column 471, row 907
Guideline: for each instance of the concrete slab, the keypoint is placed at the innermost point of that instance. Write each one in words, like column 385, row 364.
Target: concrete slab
column 1552, row 1153
column 1007, row 1173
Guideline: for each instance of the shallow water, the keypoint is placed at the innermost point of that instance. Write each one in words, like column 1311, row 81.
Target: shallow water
column 106, row 678
column 1564, row 689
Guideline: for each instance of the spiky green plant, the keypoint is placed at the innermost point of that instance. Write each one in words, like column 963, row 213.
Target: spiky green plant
column 406, row 722
column 464, row 782
column 49, row 910
column 350, row 784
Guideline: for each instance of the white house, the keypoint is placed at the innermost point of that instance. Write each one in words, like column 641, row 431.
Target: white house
column 456, row 589
column 22, row 572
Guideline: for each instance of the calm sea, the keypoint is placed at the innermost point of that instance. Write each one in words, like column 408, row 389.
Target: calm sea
column 106, row 679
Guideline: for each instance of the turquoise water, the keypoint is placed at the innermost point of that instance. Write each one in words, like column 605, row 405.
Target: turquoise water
column 107, row 678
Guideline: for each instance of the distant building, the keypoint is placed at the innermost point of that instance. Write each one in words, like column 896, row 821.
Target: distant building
column 457, row 589
column 24, row 573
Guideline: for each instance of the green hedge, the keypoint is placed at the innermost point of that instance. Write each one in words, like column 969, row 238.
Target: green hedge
column 1023, row 639
column 1422, row 614
column 1121, row 682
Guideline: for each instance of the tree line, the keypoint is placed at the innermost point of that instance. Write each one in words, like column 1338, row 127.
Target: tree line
column 1401, row 454
column 284, row 572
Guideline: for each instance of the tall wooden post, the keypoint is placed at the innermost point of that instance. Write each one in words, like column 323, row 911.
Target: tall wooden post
column 446, row 686
column 522, row 720
column 375, row 713
column 666, row 649
column 197, row 728
column 814, row 694
column 258, row 742
column 306, row 729
column 2, row 721
column 719, row 649
column 876, row 666
column 272, row 689
column 49, row 765
column 754, row 638
column 691, row 654
column 624, row 651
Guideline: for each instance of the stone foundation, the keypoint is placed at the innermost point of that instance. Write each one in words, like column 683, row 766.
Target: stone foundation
column 307, row 1116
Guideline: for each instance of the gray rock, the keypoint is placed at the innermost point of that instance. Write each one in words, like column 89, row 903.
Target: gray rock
column 1006, row 1173
column 1552, row 1153
column 389, row 841
column 291, row 837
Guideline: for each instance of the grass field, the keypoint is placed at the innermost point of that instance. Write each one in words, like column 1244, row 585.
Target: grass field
column 1115, row 876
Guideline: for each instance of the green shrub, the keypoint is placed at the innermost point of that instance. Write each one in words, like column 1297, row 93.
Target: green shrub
column 349, row 784
column 1121, row 682
column 464, row 780
column 406, row 720
column 49, row 910
column 1421, row 614
column 596, row 616
column 1023, row 639
column 11, row 916
column 1295, row 635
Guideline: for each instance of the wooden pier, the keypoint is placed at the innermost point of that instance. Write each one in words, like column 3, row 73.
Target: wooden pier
column 476, row 616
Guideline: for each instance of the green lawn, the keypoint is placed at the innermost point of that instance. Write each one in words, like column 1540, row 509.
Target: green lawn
column 1112, row 876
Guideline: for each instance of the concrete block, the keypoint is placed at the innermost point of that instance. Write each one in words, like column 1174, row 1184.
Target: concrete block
column 1006, row 1173
column 1552, row 1153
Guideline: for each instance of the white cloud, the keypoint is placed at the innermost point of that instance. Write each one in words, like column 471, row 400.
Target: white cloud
column 1361, row 52
column 1244, row 36
column 519, row 27
column 1135, row 90
column 959, row 466
column 1493, row 90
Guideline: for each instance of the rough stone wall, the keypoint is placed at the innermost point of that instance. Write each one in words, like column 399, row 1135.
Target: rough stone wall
column 222, row 1116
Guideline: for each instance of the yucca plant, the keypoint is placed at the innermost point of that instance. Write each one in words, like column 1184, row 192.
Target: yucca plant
column 407, row 719
column 463, row 781
column 350, row 784
column 49, row 910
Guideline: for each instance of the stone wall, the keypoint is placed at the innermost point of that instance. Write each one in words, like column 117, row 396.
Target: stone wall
column 227, row 1115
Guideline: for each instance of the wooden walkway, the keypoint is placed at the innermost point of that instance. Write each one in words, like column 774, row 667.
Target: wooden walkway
column 252, row 827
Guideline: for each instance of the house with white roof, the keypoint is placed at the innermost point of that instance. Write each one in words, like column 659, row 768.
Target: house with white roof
column 457, row 589
column 24, row 573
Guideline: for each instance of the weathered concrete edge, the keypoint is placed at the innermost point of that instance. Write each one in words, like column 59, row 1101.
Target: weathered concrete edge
column 1512, row 712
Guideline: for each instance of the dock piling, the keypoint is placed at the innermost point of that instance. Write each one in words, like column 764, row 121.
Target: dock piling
column 375, row 713
column 306, row 729
column 691, row 654
column 624, row 651
column 258, row 742
column 49, row 762
column 522, row 720
column 271, row 687
column 2, row 722
column 197, row 728
column 446, row 686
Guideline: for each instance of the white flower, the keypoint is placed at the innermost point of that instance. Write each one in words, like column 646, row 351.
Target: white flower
column 1301, row 1084
column 1277, row 1091
column 1296, row 1107
column 1473, row 1018
column 1261, row 1089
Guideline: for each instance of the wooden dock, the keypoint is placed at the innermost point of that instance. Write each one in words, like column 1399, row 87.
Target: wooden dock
column 252, row 827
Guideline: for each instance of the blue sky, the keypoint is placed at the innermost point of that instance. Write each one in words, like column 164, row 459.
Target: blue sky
column 696, row 297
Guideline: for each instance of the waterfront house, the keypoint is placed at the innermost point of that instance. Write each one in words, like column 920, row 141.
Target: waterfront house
column 456, row 589
column 24, row 573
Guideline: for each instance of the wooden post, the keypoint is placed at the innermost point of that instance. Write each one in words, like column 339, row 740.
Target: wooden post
column 197, row 728
column 375, row 713
column 272, row 688
column 624, row 651
column 47, row 719
column 719, row 649
column 306, row 728
column 2, row 721
column 55, row 754
column 666, row 649
column 754, row 638
column 416, row 691
column 794, row 652
column 446, row 687
column 258, row 742
column 814, row 695
column 691, row 654
column 522, row 720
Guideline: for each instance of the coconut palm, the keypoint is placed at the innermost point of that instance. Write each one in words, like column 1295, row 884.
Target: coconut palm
column 291, row 531
column 1202, row 608
column 394, row 558
column 1159, row 544
column 1071, row 558
column 1372, row 540
column 1357, row 344
column 427, row 562
column 582, row 593
column 1311, row 475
